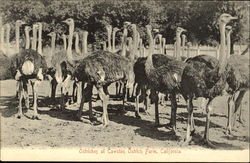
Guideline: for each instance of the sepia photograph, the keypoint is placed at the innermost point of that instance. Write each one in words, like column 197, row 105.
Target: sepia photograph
column 124, row 80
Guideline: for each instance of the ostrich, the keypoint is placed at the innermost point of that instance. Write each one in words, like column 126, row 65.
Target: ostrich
column 205, row 76
column 238, row 82
column 30, row 67
column 100, row 69
column 162, row 74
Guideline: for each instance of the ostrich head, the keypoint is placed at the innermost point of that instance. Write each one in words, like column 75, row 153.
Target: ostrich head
column 149, row 28
column 39, row 24
column 189, row 44
column 179, row 30
column 69, row 21
column 7, row 25
column 75, row 34
column 126, row 24
column 226, row 18
column 229, row 28
column 27, row 28
column 52, row 34
column 115, row 29
column 35, row 26
column 19, row 23
column 108, row 28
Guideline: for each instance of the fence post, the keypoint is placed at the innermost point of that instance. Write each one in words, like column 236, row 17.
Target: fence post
column 163, row 45
column 198, row 50
column 217, row 51
column 183, row 44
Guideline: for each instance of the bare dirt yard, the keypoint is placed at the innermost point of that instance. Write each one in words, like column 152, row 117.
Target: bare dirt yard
column 59, row 128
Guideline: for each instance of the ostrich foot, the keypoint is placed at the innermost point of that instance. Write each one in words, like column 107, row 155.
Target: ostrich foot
column 176, row 134
column 78, row 115
column 35, row 117
column 241, row 121
column 105, row 122
column 169, row 126
column 157, row 124
column 187, row 141
column 228, row 132
column 19, row 115
column 92, row 119
column 209, row 144
column 147, row 113
column 137, row 115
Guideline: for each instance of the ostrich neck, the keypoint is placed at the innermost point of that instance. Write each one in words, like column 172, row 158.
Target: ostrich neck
column 53, row 44
column 149, row 61
column 85, row 42
column 113, row 41
column 34, row 38
column 8, row 35
column 178, row 46
column 2, row 35
column 39, row 48
column 222, row 56
column 135, row 43
column 124, row 46
column 77, row 44
column 109, row 40
column 228, row 44
column 69, row 50
column 27, row 44
column 17, row 38
column 64, row 42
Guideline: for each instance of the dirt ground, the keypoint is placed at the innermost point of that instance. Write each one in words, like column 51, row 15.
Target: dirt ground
column 58, row 128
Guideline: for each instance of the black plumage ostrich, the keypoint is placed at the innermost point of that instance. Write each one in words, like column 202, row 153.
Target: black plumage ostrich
column 164, row 77
column 205, row 76
column 31, row 67
column 238, row 82
column 100, row 69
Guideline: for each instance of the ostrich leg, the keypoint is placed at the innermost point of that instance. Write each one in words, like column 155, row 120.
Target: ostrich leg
column 75, row 93
column 238, row 106
column 137, row 98
column 20, row 93
column 189, row 124
column 26, row 94
column 172, row 123
column 230, row 108
column 79, row 86
column 157, row 121
column 103, row 97
column 53, row 88
column 34, row 88
column 206, row 135
column 88, row 96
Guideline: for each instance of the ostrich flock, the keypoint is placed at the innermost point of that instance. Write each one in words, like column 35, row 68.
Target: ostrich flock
column 143, row 74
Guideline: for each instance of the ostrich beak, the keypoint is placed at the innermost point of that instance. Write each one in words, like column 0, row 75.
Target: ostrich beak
column 23, row 22
column 234, row 17
column 65, row 21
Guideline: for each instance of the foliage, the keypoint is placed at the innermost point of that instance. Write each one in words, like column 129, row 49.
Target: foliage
column 198, row 17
